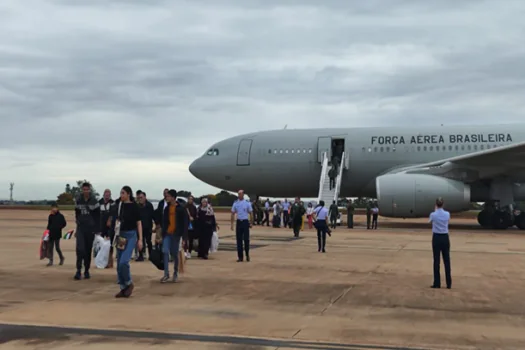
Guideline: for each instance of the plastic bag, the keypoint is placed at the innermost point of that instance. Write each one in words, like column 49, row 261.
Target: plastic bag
column 214, row 242
column 97, row 244
column 102, row 258
column 43, row 250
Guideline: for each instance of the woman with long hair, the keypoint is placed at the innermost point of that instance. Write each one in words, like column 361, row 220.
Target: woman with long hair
column 309, row 215
column 206, row 224
column 128, row 234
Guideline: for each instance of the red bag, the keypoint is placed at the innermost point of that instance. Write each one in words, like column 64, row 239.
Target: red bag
column 44, row 241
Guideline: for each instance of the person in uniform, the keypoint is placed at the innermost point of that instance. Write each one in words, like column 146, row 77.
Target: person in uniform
column 350, row 213
column 147, row 217
column 334, row 213
column 320, row 216
column 440, row 219
column 87, row 215
column 375, row 214
column 266, row 213
column 297, row 211
column 105, row 212
column 243, row 209
column 331, row 175
column 368, row 215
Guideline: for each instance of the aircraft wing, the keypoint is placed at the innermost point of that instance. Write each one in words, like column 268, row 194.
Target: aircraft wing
column 506, row 160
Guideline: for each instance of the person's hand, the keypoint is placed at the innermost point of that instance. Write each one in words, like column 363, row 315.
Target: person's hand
column 231, row 228
column 217, row 228
column 139, row 245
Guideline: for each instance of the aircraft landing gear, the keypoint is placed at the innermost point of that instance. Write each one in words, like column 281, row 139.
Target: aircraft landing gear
column 519, row 221
column 493, row 217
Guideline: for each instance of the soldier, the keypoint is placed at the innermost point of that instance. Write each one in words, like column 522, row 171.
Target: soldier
column 243, row 209
column 350, row 213
column 440, row 219
column 87, row 215
column 368, row 214
column 334, row 213
column 297, row 213
column 331, row 175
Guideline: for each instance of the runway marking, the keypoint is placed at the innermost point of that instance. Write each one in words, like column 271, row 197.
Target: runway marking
column 12, row 332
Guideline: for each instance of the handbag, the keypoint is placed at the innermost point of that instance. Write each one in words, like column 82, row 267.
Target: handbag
column 118, row 241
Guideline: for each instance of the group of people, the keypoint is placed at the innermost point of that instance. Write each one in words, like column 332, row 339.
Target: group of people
column 129, row 223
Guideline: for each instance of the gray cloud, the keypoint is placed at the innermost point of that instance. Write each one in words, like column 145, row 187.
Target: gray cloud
column 123, row 80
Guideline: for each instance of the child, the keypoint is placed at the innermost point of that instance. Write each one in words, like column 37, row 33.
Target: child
column 55, row 223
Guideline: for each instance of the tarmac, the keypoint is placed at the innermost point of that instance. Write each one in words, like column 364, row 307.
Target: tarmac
column 370, row 290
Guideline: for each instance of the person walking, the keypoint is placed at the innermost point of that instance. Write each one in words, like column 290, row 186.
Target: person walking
column 243, row 210
column 55, row 224
column 128, row 235
column 350, row 209
column 440, row 219
column 175, row 223
column 333, row 214
column 375, row 214
column 309, row 215
column 193, row 233
column 206, row 225
column 331, row 175
column 320, row 216
column 147, row 216
column 87, row 217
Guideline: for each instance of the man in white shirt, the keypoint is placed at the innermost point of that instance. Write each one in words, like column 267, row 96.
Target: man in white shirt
column 440, row 219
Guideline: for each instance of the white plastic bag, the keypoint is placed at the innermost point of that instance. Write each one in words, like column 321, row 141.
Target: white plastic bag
column 102, row 258
column 214, row 242
column 97, row 243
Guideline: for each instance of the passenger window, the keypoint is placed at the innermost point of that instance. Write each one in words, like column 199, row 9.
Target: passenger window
column 482, row 147
column 432, row 148
column 298, row 151
column 274, row 151
column 304, row 150
column 388, row 149
column 369, row 149
column 393, row 149
column 210, row 152
column 418, row 148
column 281, row 151
column 381, row 149
column 476, row 147
column 286, row 151
column 425, row 148
column 450, row 148
column 363, row 149
column 292, row 151
column 310, row 150
column 375, row 149
column 457, row 148
column 468, row 147
column 269, row 151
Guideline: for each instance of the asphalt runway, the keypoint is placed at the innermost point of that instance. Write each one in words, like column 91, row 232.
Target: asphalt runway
column 369, row 291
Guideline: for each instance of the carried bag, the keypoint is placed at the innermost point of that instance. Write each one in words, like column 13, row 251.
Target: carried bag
column 117, row 241
column 157, row 257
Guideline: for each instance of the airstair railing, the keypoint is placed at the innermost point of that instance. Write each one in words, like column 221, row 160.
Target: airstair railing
column 323, row 176
column 339, row 179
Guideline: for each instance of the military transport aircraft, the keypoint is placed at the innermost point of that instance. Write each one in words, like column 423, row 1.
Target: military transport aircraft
column 405, row 168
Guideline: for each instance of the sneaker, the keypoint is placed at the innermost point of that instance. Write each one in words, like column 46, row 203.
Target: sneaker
column 165, row 279
column 120, row 294
column 174, row 279
column 87, row 275
column 140, row 258
column 61, row 262
column 247, row 258
column 187, row 255
column 50, row 263
column 127, row 292
column 78, row 276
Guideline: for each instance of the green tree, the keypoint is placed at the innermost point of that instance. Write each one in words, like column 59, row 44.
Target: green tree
column 65, row 199
column 184, row 193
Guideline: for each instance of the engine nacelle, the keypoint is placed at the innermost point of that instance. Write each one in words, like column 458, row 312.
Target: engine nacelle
column 414, row 195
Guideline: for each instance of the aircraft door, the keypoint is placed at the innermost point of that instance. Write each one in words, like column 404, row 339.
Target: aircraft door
column 243, row 155
column 324, row 145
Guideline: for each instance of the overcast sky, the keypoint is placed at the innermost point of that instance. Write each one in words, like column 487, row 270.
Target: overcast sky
column 132, row 92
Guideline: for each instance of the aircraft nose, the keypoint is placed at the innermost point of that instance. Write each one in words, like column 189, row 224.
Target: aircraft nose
column 196, row 168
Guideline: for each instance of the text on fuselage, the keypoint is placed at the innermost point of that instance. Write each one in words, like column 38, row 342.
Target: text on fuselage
column 436, row 139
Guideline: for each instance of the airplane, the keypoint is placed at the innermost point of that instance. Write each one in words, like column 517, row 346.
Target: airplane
column 404, row 168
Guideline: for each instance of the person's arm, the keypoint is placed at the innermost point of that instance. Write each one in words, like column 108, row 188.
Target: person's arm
column 139, row 224
column 49, row 222
column 233, row 215
column 430, row 218
column 250, row 214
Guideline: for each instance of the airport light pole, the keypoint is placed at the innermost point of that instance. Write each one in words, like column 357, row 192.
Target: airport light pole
column 11, row 188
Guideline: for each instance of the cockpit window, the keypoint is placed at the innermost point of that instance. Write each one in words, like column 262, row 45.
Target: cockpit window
column 213, row 152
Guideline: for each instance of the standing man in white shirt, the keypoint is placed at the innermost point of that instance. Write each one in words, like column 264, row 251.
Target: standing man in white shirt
column 440, row 219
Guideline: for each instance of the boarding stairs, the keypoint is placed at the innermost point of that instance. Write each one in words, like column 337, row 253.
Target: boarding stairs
column 325, row 193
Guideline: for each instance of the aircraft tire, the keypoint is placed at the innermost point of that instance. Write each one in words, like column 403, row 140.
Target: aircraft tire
column 485, row 219
column 502, row 220
column 520, row 221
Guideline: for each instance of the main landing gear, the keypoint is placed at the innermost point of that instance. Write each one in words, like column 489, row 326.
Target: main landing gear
column 491, row 217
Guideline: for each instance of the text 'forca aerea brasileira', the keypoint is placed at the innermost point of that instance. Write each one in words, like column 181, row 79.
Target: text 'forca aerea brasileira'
column 438, row 139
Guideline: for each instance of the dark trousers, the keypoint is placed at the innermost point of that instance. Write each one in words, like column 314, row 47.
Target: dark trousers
column 266, row 218
column 321, row 234
column 350, row 220
column 374, row 221
column 205, row 234
column 333, row 221
column 84, row 247
column 286, row 217
column 296, row 225
column 54, row 243
column 441, row 245
column 332, row 183
column 368, row 220
column 192, row 236
column 146, row 242
column 242, row 234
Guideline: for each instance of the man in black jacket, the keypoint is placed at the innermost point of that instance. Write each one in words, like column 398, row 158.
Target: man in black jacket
column 105, row 212
column 174, row 228
column 147, row 217
column 87, row 215
column 55, row 224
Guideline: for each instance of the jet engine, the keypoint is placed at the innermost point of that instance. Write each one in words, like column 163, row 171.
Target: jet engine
column 414, row 195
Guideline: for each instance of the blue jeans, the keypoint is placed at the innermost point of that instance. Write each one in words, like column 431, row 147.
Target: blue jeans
column 123, row 258
column 170, row 245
